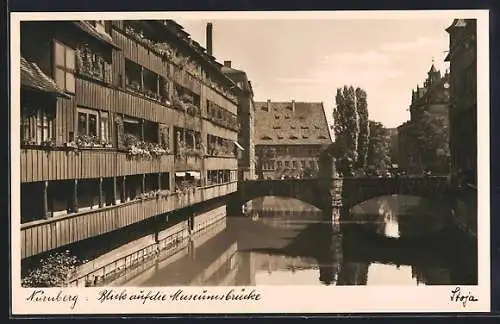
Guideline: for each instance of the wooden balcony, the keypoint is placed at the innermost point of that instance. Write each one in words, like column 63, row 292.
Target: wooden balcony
column 221, row 163
column 43, row 235
column 41, row 165
column 188, row 163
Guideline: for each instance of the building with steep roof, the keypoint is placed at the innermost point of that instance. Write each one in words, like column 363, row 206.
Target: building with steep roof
column 289, row 137
column 430, row 101
column 246, row 115
column 122, row 123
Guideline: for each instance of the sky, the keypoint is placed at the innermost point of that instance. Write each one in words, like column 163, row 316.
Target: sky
column 307, row 60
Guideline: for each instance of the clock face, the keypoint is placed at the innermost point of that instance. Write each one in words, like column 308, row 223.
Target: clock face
column 446, row 85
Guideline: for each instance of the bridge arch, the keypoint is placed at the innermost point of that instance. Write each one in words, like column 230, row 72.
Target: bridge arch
column 360, row 189
column 344, row 193
column 310, row 191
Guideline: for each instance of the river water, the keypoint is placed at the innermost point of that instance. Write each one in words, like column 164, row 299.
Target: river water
column 390, row 240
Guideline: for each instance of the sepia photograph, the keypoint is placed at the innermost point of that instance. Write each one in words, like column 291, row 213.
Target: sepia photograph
column 213, row 157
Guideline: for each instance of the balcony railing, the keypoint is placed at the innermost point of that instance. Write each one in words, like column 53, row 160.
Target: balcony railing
column 44, row 235
column 40, row 165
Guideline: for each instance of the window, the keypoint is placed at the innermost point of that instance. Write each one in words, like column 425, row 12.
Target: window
column 287, row 164
column 303, row 163
column 276, row 117
column 150, row 82
column 133, row 73
column 294, row 164
column 64, row 67
column 280, row 164
column 36, row 127
column 87, row 122
column 277, row 127
column 94, row 123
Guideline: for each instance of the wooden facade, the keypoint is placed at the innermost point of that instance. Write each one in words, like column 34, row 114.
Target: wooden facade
column 103, row 106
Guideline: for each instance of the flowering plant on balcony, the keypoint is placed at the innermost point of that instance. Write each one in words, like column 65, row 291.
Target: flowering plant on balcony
column 153, row 95
column 178, row 104
column 164, row 49
column 134, row 86
column 162, row 193
column 52, row 271
column 147, row 194
column 88, row 141
column 138, row 35
column 49, row 143
column 158, row 150
column 28, row 141
column 139, row 149
column 192, row 109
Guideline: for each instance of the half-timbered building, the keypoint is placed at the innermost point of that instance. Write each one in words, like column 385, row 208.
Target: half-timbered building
column 121, row 121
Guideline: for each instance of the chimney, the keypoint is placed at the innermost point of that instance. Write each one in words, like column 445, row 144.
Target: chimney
column 209, row 39
column 293, row 105
column 268, row 104
column 227, row 64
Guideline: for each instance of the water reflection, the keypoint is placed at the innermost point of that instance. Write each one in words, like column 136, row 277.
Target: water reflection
column 283, row 242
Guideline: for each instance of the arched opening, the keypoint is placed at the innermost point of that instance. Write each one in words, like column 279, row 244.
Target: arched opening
column 400, row 216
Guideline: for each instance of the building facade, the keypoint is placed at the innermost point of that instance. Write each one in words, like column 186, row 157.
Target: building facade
column 423, row 139
column 246, row 118
column 462, row 56
column 289, row 137
column 121, row 121
column 463, row 106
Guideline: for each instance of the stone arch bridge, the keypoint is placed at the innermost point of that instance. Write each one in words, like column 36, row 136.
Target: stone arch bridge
column 344, row 193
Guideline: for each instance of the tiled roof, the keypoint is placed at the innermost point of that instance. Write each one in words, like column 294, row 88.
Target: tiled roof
column 89, row 29
column 34, row 78
column 305, row 125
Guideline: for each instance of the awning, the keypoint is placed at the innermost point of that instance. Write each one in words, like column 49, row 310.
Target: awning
column 194, row 174
column 33, row 77
column 238, row 145
column 89, row 29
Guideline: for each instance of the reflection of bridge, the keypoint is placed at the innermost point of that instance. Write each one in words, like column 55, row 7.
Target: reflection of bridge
column 326, row 193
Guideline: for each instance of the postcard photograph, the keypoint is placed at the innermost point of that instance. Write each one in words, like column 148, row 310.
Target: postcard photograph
column 250, row 162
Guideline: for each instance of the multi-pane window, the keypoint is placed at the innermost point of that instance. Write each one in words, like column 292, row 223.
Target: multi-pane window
column 87, row 122
column 36, row 126
column 93, row 123
column 64, row 67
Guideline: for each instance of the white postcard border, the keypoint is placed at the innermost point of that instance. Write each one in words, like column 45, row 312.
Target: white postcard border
column 289, row 299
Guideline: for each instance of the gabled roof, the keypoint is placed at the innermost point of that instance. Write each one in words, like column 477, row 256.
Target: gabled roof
column 32, row 77
column 280, row 125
